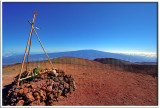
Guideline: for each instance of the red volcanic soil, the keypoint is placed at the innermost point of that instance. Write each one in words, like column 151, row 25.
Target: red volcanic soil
column 101, row 85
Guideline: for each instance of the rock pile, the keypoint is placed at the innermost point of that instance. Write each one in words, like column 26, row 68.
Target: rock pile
column 46, row 89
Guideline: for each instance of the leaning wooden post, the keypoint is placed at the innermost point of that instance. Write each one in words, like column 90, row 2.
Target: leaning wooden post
column 27, row 47
column 43, row 48
column 28, row 53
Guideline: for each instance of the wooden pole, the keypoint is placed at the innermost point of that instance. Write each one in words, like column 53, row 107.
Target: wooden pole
column 27, row 47
column 28, row 53
column 43, row 48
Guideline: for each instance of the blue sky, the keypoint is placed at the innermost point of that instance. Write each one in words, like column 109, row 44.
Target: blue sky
column 113, row 27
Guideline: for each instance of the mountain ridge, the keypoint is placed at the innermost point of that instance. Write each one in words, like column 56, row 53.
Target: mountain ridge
column 85, row 54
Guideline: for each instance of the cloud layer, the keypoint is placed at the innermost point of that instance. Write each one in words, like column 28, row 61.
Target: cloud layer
column 146, row 54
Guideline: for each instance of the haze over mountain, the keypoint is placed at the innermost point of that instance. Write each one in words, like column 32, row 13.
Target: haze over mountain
column 85, row 54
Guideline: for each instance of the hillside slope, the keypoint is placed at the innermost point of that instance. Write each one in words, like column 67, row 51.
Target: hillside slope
column 98, row 84
column 112, row 61
column 147, row 68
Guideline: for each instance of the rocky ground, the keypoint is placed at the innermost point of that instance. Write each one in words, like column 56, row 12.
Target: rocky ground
column 100, row 85
column 45, row 89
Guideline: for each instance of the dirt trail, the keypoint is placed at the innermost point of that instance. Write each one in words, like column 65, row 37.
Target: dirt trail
column 102, row 86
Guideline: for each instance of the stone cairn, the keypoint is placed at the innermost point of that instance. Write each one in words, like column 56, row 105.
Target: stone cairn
column 42, row 90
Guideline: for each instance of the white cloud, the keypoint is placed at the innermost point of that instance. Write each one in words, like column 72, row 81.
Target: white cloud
column 146, row 54
column 7, row 54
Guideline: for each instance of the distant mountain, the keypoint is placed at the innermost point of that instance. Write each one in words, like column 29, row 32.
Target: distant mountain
column 86, row 54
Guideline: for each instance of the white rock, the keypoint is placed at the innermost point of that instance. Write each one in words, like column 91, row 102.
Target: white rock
column 54, row 71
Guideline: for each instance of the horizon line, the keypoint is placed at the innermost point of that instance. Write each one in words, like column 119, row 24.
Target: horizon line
column 126, row 52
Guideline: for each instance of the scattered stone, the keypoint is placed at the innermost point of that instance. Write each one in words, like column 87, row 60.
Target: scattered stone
column 66, row 79
column 35, row 103
column 26, row 90
column 20, row 103
column 53, row 72
column 20, row 98
column 49, row 89
column 36, row 80
column 42, row 76
column 52, row 82
column 12, row 104
column 56, row 94
column 67, row 94
column 66, row 85
column 56, row 79
column 60, row 98
column 42, row 103
column 36, row 95
column 20, row 91
column 50, row 102
column 43, row 88
column 56, row 74
column 60, row 78
column 43, row 95
column 48, row 93
column 74, row 85
column 27, row 85
column 70, row 89
column 48, row 83
column 61, row 87
column 59, row 93
column 50, row 96
column 62, row 82
column 13, row 100
column 29, row 97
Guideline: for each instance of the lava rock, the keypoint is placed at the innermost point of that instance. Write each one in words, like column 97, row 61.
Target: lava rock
column 20, row 91
column 25, row 90
column 36, row 96
column 29, row 97
column 49, row 89
column 50, row 102
column 43, row 95
column 70, row 89
column 35, row 103
column 42, row 76
column 56, row 74
column 74, row 85
column 50, row 96
column 60, row 98
column 66, row 85
column 20, row 103
column 43, row 88
column 27, row 85
column 65, row 92
column 59, row 93
column 61, row 87
column 60, row 78
column 56, row 79
column 52, row 82
column 42, row 103
column 66, row 79
column 13, row 100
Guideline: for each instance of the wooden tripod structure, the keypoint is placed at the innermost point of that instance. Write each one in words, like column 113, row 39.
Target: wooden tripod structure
column 29, row 41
